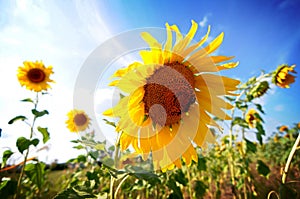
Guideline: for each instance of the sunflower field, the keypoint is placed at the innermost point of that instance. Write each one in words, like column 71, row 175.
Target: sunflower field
column 182, row 131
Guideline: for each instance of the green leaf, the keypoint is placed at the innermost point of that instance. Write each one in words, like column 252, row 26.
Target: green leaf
column 250, row 146
column 6, row 155
column 78, row 147
column 111, row 148
column 35, row 142
column 23, row 144
column 259, row 138
column 201, row 163
column 180, row 177
column 239, row 121
column 100, row 146
column 37, row 113
column 94, row 154
column 108, row 161
column 258, row 116
column 176, row 189
column 259, row 107
column 260, row 128
column 109, row 122
column 73, row 193
column 229, row 98
column 27, row 100
column 45, row 133
column 8, row 188
column 35, row 172
column 200, row 189
column 20, row 117
column 262, row 168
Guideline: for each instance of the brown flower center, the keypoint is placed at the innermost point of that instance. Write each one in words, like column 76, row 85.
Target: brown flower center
column 169, row 92
column 80, row 119
column 36, row 75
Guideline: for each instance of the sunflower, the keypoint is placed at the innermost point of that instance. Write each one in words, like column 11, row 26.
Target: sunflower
column 251, row 118
column 77, row 121
column 282, row 76
column 35, row 76
column 260, row 89
column 171, row 96
column 283, row 128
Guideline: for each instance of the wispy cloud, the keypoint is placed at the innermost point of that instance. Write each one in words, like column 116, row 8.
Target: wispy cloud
column 204, row 21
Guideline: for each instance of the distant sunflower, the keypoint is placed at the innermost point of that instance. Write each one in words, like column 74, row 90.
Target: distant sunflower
column 251, row 118
column 283, row 128
column 77, row 121
column 282, row 76
column 171, row 96
column 35, row 76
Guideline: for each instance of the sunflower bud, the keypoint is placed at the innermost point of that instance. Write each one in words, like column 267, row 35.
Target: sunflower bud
column 260, row 89
column 282, row 76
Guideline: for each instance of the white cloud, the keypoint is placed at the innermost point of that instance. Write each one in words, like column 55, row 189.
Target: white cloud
column 204, row 21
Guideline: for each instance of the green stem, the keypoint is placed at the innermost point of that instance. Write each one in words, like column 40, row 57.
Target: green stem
column 190, row 182
column 289, row 160
column 116, row 159
column 27, row 152
column 120, row 184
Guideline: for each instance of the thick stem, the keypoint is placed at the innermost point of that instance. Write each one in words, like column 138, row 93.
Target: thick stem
column 289, row 160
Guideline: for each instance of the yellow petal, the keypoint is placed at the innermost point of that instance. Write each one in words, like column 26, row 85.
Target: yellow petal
column 228, row 65
column 153, row 43
column 218, row 59
column 182, row 44
column 214, row 45
column 197, row 45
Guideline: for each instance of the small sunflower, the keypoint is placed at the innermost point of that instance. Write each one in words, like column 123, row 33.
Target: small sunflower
column 77, row 121
column 283, row 128
column 171, row 97
column 251, row 118
column 35, row 76
column 282, row 76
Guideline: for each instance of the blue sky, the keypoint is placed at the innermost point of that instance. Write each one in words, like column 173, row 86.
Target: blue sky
column 261, row 34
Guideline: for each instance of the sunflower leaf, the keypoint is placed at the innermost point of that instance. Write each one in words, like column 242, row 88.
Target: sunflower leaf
column 200, row 189
column 239, row 121
column 45, row 133
column 23, row 144
column 259, row 107
column 109, row 122
column 262, row 168
column 20, row 117
column 251, row 147
column 176, row 189
column 6, row 155
column 37, row 113
column 27, row 100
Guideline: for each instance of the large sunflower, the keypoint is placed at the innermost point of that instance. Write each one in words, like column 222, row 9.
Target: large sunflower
column 35, row 76
column 77, row 120
column 171, row 97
